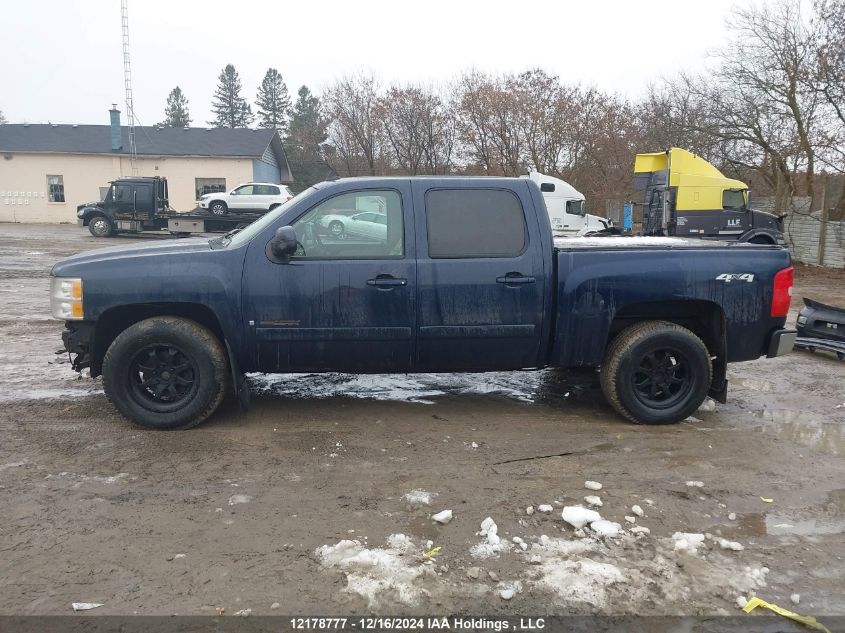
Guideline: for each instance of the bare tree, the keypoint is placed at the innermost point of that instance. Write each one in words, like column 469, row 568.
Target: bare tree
column 419, row 129
column 764, row 91
column 355, row 132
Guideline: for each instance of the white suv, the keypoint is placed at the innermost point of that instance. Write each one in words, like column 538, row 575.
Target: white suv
column 253, row 196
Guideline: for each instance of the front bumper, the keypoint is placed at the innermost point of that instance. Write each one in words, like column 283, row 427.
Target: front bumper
column 781, row 342
column 77, row 341
column 80, row 221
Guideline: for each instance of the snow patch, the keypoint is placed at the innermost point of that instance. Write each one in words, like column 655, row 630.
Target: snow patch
column 418, row 497
column 603, row 527
column 379, row 574
column 687, row 542
column 579, row 516
column 442, row 517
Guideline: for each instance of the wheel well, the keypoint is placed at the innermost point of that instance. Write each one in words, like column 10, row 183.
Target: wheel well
column 115, row 320
column 275, row 205
column 705, row 319
column 223, row 202
column 87, row 219
column 761, row 239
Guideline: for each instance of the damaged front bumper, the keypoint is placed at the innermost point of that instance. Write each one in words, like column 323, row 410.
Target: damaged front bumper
column 77, row 337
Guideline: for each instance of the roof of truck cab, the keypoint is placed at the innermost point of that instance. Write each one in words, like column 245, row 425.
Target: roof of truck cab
column 452, row 178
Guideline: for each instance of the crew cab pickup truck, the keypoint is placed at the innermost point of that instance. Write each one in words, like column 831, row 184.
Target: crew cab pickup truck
column 466, row 277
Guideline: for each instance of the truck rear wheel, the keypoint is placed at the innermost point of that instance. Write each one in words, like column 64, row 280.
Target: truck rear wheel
column 100, row 226
column 656, row 372
column 166, row 373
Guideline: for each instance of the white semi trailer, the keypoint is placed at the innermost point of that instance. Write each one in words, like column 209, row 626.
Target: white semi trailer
column 567, row 208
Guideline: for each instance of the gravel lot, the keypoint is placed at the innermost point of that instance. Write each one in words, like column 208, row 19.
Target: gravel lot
column 298, row 504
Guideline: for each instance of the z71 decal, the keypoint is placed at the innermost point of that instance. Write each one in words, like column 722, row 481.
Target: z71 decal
column 729, row 277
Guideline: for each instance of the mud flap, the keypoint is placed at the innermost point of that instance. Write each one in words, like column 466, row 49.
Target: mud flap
column 719, row 382
column 240, row 388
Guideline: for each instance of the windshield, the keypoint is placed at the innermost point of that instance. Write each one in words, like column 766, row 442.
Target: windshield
column 245, row 235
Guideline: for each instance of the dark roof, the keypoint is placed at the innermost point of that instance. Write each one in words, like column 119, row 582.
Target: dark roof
column 150, row 141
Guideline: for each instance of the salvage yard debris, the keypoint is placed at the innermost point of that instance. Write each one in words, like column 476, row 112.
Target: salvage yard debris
column 806, row 620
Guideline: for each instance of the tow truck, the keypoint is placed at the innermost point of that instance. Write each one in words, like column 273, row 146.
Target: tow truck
column 134, row 205
column 685, row 196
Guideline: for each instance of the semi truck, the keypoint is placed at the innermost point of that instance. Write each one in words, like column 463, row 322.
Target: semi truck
column 466, row 277
column 133, row 205
column 686, row 196
column 568, row 208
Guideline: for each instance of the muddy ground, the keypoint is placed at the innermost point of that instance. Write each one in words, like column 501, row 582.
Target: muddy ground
column 297, row 503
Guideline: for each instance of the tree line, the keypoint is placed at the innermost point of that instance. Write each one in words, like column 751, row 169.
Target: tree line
column 770, row 111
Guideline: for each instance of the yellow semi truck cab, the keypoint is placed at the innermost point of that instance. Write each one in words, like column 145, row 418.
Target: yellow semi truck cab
column 684, row 195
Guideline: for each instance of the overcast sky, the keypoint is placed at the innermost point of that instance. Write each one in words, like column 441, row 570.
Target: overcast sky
column 62, row 59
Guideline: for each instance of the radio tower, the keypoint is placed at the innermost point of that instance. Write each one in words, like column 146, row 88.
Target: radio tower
column 127, row 83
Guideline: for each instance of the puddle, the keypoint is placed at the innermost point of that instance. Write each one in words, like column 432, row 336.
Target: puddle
column 808, row 429
column 829, row 519
column 523, row 386
column 754, row 384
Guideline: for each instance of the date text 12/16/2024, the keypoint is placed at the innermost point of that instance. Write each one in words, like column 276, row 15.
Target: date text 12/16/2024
column 417, row 623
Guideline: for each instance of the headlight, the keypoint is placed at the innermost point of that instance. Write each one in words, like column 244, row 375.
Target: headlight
column 80, row 213
column 66, row 298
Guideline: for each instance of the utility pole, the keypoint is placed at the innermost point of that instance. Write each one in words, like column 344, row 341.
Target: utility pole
column 127, row 84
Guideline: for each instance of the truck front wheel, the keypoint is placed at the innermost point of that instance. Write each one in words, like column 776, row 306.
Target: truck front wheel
column 101, row 226
column 218, row 207
column 166, row 373
column 656, row 372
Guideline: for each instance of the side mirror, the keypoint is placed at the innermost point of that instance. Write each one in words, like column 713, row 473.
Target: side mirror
column 283, row 244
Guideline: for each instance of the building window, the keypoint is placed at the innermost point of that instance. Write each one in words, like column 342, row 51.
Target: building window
column 56, row 188
column 209, row 185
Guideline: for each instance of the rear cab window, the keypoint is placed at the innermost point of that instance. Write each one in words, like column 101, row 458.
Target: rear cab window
column 475, row 223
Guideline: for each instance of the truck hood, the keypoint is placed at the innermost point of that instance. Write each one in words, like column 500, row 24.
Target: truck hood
column 75, row 265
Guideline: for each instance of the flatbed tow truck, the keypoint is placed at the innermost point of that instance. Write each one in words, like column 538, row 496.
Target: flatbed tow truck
column 134, row 205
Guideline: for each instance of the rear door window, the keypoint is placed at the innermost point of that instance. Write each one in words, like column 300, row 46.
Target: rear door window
column 474, row 223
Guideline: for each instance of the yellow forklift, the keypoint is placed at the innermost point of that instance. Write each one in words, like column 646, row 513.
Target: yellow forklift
column 686, row 196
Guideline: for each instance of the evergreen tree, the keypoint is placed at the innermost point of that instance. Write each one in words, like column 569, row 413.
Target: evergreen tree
column 176, row 111
column 307, row 125
column 2, row 118
column 229, row 107
column 273, row 101
column 304, row 142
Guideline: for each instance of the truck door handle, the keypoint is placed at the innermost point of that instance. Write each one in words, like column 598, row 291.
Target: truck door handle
column 515, row 278
column 387, row 281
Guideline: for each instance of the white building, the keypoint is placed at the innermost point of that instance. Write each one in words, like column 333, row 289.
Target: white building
column 47, row 170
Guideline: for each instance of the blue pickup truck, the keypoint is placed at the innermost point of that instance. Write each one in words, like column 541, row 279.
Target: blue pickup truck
column 448, row 275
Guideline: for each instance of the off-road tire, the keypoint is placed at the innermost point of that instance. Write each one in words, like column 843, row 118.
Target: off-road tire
column 100, row 226
column 623, row 359
column 218, row 207
column 195, row 342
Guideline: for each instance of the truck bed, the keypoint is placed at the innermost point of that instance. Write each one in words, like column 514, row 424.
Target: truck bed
column 618, row 241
